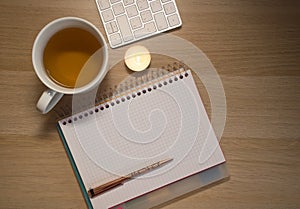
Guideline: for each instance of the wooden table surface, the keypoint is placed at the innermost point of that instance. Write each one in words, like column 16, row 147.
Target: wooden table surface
column 255, row 48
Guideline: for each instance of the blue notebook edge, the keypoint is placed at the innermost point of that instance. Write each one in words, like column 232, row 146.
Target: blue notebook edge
column 75, row 169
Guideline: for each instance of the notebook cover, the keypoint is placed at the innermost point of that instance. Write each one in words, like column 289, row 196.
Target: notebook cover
column 157, row 197
column 85, row 195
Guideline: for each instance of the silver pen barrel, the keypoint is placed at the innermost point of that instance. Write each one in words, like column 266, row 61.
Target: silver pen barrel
column 149, row 168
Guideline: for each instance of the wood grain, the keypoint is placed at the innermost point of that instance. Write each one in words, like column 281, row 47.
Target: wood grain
column 255, row 47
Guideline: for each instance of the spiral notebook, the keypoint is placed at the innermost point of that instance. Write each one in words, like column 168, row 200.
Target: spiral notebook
column 160, row 118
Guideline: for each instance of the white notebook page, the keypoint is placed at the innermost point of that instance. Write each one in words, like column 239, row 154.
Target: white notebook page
column 168, row 121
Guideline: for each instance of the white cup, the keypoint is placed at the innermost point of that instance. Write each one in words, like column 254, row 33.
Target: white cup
column 51, row 96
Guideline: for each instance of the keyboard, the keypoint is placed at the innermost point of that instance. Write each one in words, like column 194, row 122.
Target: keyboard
column 127, row 21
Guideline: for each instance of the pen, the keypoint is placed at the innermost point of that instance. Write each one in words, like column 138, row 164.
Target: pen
column 120, row 181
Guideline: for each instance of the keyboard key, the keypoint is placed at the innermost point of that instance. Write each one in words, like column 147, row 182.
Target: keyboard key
column 142, row 4
column 103, row 4
column 132, row 11
column 147, row 30
column 173, row 20
column 114, row 1
column 169, row 8
column 161, row 21
column 115, row 39
column 128, row 2
column 107, row 15
column 124, row 28
column 156, row 6
column 118, row 8
column 146, row 16
column 111, row 27
column 114, row 26
column 135, row 23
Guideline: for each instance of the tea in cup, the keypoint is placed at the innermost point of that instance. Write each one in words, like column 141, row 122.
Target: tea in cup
column 69, row 56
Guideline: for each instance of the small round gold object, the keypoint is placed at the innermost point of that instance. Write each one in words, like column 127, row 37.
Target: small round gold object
column 137, row 58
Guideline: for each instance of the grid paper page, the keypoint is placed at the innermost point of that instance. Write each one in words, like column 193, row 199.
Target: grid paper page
column 165, row 120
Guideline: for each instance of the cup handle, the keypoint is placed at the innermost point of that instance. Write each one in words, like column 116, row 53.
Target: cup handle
column 48, row 100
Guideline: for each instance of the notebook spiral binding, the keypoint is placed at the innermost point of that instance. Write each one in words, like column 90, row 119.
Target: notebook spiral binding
column 131, row 88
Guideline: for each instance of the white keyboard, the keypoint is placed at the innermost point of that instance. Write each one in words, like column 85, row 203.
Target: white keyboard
column 126, row 21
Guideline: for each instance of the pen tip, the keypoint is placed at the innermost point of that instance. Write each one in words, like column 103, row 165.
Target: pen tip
column 91, row 193
column 166, row 160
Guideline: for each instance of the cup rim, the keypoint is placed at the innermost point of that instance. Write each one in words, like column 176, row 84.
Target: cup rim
column 61, row 89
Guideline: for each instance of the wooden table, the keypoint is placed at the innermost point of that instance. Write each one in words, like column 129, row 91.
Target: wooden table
column 255, row 47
